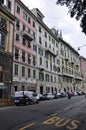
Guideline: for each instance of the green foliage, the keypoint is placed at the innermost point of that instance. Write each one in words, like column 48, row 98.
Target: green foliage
column 77, row 9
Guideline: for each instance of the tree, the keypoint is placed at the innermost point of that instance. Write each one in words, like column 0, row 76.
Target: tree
column 77, row 9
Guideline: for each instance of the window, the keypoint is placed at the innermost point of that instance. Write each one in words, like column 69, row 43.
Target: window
column 16, row 70
column 58, row 61
column 55, row 79
column 35, row 48
column 51, row 66
column 34, row 74
column 29, row 45
column 45, row 44
column 40, row 41
column 3, row 23
column 23, row 56
column 2, row 39
column 28, row 30
column 49, row 38
column 34, row 35
column 24, row 27
column 23, row 71
column 17, row 38
column 34, row 60
column 56, row 44
column 18, row 9
column 51, row 78
column 24, row 16
column 45, row 34
column 40, row 51
column 16, row 53
column 7, row 3
column 47, row 77
column 29, row 59
column 29, row 20
column 33, row 24
column 24, row 41
column 46, row 64
column 46, row 55
column 40, row 61
column 17, row 24
column 40, row 29
column 50, row 46
column 41, row 76
column 28, row 72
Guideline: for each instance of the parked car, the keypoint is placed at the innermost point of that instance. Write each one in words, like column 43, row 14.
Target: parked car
column 49, row 96
column 61, row 95
column 79, row 93
column 75, row 94
column 55, row 95
column 25, row 97
column 40, row 96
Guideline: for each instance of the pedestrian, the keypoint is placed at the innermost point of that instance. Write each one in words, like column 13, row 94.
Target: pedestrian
column 69, row 96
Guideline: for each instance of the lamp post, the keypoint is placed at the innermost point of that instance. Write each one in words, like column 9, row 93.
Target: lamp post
column 81, row 47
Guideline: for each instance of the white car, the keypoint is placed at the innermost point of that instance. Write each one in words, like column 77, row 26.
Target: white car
column 49, row 96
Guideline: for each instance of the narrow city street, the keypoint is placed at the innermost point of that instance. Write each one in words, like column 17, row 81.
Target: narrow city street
column 56, row 114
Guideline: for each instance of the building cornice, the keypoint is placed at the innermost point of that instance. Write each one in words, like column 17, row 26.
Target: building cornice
column 26, row 8
column 7, row 13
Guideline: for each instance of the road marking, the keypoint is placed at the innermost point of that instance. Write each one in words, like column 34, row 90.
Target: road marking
column 67, row 108
column 27, row 126
column 73, row 125
column 62, row 122
column 52, row 115
column 51, row 120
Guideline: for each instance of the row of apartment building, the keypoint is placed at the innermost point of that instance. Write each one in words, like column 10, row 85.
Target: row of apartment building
column 35, row 57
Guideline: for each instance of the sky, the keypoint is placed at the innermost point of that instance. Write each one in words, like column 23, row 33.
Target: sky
column 58, row 17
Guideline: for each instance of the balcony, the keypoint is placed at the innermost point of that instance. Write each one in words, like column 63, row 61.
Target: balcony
column 66, row 58
column 67, row 73
column 51, row 52
column 27, row 35
column 41, row 67
column 77, row 64
column 72, row 62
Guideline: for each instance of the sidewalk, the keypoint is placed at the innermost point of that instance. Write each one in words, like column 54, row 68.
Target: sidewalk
column 6, row 102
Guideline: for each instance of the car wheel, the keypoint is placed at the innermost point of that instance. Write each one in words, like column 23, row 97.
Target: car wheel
column 37, row 101
column 26, row 103
column 17, row 104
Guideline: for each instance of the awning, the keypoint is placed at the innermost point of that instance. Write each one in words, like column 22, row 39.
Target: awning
column 2, row 86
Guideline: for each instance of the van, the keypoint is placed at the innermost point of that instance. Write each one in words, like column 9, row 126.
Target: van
column 25, row 97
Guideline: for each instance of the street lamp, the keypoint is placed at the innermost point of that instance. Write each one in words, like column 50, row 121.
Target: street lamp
column 81, row 47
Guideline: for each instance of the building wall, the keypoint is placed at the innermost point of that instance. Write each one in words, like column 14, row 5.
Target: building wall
column 24, row 82
column 47, row 49
column 6, row 50
column 83, row 72
column 69, row 68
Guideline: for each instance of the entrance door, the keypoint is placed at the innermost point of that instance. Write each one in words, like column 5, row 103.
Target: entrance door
column 41, row 89
column 0, row 93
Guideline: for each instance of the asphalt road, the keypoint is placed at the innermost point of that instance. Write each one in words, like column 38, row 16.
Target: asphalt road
column 57, row 114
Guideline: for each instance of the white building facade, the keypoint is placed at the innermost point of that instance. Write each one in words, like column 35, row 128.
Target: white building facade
column 47, row 56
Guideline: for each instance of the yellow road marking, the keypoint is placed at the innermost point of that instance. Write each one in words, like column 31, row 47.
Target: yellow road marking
column 67, row 108
column 27, row 126
column 53, row 115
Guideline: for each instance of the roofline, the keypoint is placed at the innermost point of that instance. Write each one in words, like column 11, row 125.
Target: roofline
column 26, row 8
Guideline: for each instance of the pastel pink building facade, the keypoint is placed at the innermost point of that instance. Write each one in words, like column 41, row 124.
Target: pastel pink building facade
column 24, row 57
